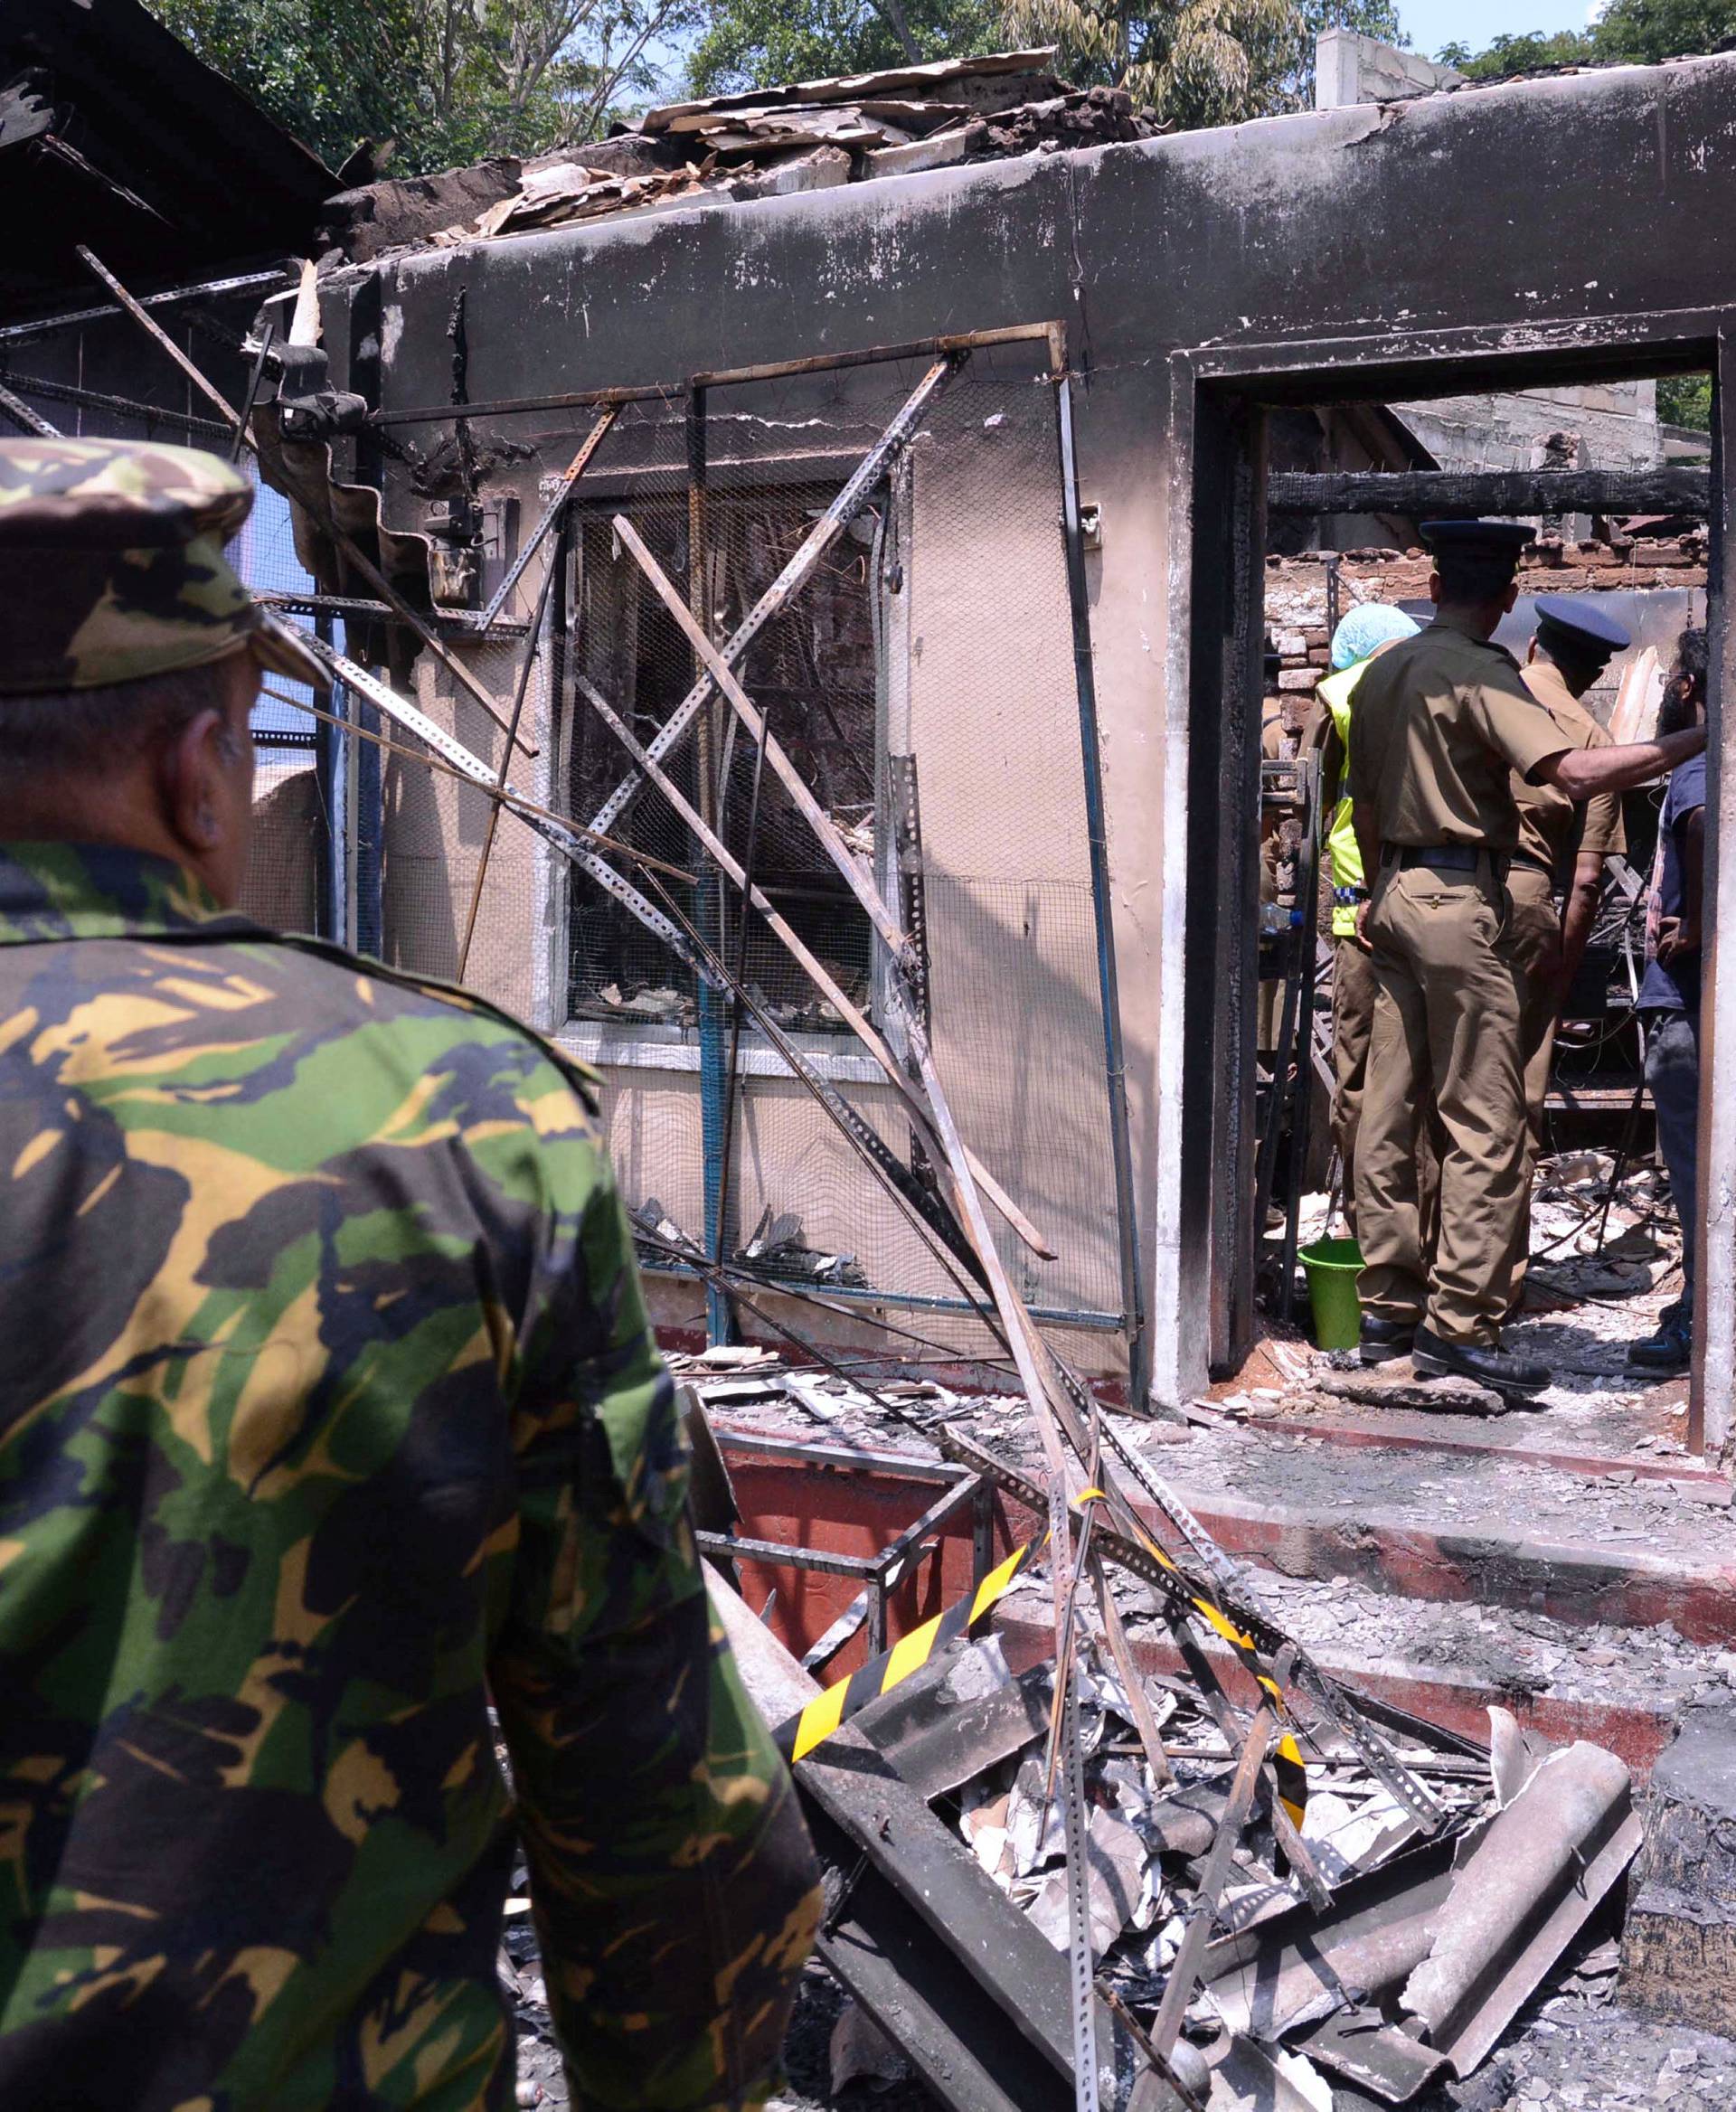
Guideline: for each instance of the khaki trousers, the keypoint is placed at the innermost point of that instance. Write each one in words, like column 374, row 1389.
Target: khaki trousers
column 1354, row 992
column 1535, row 939
column 1446, row 1024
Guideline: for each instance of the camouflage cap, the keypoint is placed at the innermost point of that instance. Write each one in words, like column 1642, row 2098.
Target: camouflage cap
column 113, row 554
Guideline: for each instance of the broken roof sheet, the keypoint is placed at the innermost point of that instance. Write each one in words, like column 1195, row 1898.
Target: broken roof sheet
column 856, row 87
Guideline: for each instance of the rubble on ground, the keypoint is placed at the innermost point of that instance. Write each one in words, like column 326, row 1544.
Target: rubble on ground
column 1381, row 1996
column 1399, row 1948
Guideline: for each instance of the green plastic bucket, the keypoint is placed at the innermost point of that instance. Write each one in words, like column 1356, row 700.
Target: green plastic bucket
column 1332, row 1266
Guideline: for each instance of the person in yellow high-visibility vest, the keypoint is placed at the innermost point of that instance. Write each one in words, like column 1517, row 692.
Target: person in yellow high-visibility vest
column 1360, row 635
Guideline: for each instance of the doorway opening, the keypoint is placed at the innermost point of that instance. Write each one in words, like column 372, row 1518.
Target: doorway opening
column 1326, row 483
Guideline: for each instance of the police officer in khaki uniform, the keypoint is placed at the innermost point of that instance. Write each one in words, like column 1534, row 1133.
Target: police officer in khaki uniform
column 1561, row 851
column 1443, row 724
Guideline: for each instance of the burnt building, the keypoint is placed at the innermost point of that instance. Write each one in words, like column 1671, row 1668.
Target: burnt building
column 1013, row 326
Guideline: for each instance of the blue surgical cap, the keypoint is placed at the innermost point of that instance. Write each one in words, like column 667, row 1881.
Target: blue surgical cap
column 1374, row 623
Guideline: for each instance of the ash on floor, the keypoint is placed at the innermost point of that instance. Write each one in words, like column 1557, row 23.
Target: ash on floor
column 1579, row 2052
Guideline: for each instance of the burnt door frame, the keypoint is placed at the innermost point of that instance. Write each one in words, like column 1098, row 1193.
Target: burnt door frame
column 1204, row 1240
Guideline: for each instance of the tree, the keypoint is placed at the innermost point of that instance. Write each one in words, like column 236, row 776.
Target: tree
column 1628, row 33
column 1532, row 52
column 445, row 82
column 1685, row 399
column 1198, row 61
column 1647, row 31
column 757, row 44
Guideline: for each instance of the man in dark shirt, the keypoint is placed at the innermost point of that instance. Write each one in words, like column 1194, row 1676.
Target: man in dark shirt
column 1670, row 999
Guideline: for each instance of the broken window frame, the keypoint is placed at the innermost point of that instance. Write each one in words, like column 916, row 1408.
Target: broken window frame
column 808, row 486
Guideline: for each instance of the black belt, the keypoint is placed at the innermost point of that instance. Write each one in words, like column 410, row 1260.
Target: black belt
column 1536, row 865
column 1438, row 857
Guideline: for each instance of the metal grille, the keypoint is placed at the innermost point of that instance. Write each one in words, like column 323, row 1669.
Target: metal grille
column 919, row 678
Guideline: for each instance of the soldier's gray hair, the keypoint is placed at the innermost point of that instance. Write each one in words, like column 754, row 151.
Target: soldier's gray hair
column 92, row 730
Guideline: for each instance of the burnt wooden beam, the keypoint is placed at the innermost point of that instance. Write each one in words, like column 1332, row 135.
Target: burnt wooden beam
column 1429, row 493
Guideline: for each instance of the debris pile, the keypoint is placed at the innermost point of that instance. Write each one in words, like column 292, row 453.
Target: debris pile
column 1390, row 1986
column 1377, row 1916
column 763, row 144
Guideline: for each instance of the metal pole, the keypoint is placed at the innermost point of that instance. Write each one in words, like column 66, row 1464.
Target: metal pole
column 714, row 1094
column 349, row 752
column 282, row 276
column 26, row 420
column 329, row 745
column 255, row 377
column 733, row 1067
column 1302, row 1111
column 1102, row 910
column 367, row 865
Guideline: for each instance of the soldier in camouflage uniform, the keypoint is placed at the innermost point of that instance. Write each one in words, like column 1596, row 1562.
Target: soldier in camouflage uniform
column 327, row 1407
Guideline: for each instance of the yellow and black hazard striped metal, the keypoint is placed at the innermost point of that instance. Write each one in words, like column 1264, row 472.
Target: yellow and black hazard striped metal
column 822, row 1716
column 1289, row 1771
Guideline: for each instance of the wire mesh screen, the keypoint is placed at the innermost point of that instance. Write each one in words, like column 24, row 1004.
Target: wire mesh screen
column 912, row 657
column 96, row 379
column 720, row 540
column 919, row 677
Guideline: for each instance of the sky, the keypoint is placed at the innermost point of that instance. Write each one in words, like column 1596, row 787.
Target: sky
column 1431, row 24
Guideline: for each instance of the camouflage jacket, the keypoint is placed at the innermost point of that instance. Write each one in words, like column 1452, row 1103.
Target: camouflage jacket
column 326, row 1396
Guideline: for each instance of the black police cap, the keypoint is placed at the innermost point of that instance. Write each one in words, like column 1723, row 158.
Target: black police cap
column 1496, row 538
column 1579, row 626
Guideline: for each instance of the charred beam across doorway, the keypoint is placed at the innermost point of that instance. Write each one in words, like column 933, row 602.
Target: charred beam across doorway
column 1429, row 492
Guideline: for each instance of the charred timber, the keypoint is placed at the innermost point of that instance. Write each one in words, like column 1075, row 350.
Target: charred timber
column 1428, row 493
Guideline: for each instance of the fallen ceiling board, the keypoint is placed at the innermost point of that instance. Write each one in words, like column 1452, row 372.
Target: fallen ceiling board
column 1360, row 2045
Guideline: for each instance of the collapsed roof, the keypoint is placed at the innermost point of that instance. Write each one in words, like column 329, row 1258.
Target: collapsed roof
column 764, row 143
column 110, row 130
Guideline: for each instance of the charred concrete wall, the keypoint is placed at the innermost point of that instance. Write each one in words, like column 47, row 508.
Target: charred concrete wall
column 1380, row 248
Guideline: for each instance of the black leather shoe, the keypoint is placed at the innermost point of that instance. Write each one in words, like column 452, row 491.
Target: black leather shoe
column 1492, row 1366
column 1381, row 1341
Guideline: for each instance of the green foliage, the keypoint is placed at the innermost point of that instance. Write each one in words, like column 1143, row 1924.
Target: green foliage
column 448, row 81
column 757, row 44
column 1197, row 62
column 1530, row 53
column 1630, row 32
column 1685, row 399
column 1649, row 30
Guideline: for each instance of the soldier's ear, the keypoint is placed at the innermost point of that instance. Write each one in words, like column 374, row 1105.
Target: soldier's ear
column 1511, row 596
column 193, row 780
column 205, row 770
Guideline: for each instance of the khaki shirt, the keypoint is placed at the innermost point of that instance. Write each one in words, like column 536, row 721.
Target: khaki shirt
column 1443, row 726
column 1551, row 826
